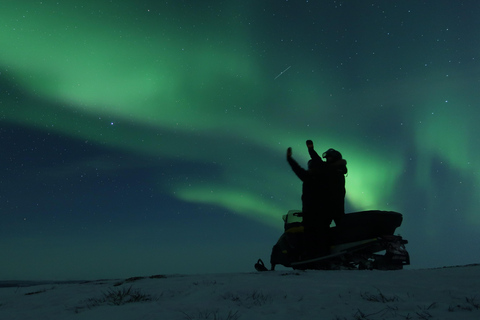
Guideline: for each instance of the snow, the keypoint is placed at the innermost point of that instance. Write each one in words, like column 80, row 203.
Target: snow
column 442, row 293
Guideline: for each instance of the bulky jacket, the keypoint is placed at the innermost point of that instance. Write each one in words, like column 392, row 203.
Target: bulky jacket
column 323, row 191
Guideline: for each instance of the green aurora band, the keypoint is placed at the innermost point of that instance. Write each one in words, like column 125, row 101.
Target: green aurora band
column 173, row 88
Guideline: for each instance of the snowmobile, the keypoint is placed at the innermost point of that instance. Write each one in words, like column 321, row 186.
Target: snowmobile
column 363, row 240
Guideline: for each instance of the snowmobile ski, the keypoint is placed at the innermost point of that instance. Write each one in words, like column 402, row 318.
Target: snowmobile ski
column 333, row 255
column 359, row 245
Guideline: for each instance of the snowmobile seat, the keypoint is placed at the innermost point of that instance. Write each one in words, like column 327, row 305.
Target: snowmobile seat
column 363, row 225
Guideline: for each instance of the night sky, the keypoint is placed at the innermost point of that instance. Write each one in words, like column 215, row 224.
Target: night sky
column 149, row 137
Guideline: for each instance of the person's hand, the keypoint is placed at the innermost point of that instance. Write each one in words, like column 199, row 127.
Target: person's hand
column 309, row 144
column 289, row 152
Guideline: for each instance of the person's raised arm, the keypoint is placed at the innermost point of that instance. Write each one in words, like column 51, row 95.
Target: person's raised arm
column 299, row 171
column 313, row 154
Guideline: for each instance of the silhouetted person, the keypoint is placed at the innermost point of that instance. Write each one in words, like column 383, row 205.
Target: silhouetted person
column 333, row 176
column 321, row 195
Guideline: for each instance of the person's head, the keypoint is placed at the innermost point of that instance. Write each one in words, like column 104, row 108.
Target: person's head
column 332, row 155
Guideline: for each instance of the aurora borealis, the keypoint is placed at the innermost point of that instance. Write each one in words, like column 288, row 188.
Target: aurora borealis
column 144, row 137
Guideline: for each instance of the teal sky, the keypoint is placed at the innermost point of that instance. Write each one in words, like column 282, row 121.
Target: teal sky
column 155, row 132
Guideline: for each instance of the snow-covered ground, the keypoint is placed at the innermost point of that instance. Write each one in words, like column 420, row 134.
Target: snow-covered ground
column 444, row 293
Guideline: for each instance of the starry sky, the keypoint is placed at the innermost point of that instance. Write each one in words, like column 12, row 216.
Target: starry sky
column 144, row 137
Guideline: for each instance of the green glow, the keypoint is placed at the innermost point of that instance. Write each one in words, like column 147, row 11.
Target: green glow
column 240, row 201
column 173, row 93
column 371, row 183
column 446, row 132
column 167, row 81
